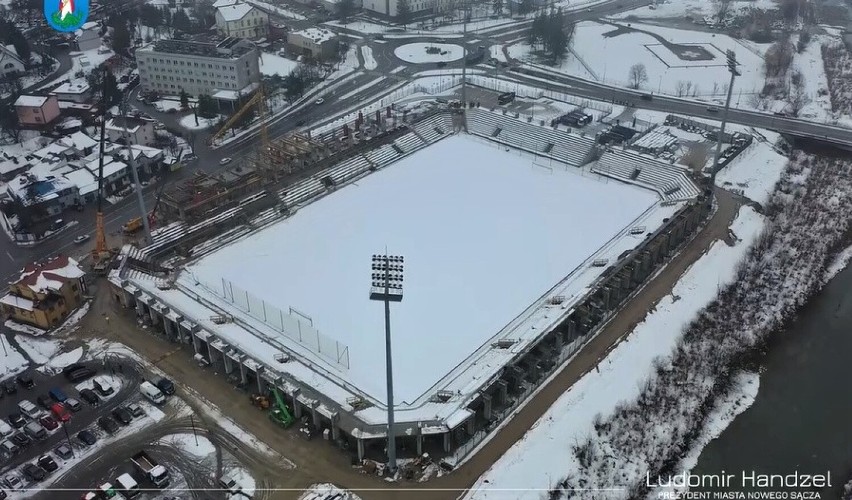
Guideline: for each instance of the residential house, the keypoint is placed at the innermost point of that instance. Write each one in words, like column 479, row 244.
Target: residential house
column 139, row 131
column 82, row 144
column 88, row 37
column 116, row 174
column 36, row 110
column 242, row 20
column 317, row 43
column 42, row 197
column 10, row 63
column 77, row 91
column 169, row 66
column 224, row 3
column 46, row 293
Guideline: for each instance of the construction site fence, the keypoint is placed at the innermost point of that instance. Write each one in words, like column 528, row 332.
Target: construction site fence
column 293, row 324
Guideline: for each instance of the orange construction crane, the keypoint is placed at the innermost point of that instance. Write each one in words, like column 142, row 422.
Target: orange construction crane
column 258, row 99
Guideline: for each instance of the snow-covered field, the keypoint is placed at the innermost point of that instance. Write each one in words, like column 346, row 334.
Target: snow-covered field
column 188, row 122
column 369, row 61
column 695, row 8
column 416, row 52
column 544, row 455
column 435, row 189
column 609, row 59
column 12, row 362
column 198, row 446
column 273, row 64
column 40, row 350
column 83, row 62
column 754, row 171
column 164, row 105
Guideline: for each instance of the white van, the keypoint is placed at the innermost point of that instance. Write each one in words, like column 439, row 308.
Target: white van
column 127, row 485
column 5, row 429
column 151, row 392
column 29, row 409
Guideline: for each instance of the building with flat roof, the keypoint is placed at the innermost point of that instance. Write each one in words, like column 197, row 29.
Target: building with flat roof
column 36, row 110
column 317, row 43
column 169, row 66
column 77, row 91
column 242, row 20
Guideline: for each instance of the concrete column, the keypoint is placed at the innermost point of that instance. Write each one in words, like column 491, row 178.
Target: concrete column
column 419, row 440
column 470, row 426
column 195, row 342
column 229, row 363
column 335, row 429
column 297, row 408
column 503, row 391
column 168, row 326
column 153, row 315
column 210, row 352
column 360, row 448
column 243, row 377
column 447, row 442
column 140, row 308
column 518, row 374
column 486, row 406
column 316, row 414
column 257, row 374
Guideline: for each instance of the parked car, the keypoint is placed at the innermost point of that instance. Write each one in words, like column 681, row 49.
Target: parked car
column 103, row 386
column 122, row 415
column 13, row 482
column 107, row 424
column 48, row 422
column 226, row 160
column 9, row 387
column 17, row 420
column 21, row 439
column 79, row 374
column 44, row 401
column 5, row 429
column 165, row 385
column 319, row 101
column 82, row 238
column 87, row 437
column 90, row 397
column 9, row 448
column 47, row 463
column 34, row 473
column 26, row 380
column 60, row 412
column 73, row 404
column 189, row 158
column 63, row 452
column 58, row 395
column 135, row 410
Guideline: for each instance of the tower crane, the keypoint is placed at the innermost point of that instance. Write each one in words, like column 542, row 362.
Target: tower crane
column 259, row 100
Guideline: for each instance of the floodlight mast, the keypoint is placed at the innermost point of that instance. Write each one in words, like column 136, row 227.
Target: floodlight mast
column 732, row 67
column 386, row 286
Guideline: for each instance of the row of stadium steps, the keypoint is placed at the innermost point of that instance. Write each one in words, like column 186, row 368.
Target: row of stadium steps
column 559, row 145
column 435, row 127
column 672, row 182
column 409, row 143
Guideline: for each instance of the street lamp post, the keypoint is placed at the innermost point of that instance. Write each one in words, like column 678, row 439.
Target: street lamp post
column 732, row 67
column 386, row 286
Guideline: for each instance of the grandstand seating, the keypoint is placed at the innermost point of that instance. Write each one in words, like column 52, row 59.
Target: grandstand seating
column 670, row 181
column 409, row 142
column 556, row 144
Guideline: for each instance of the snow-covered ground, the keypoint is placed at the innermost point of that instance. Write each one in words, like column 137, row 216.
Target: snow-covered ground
column 188, row 122
column 491, row 233
column 609, row 59
column 544, row 454
column 39, row 350
column 12, row 362
column 327, row 490
column 416, row 52
column 754, row 171
column 198, row 446
column 281, row 11
column 367, row 54
column 245, row 482
column 60, row 361
column 164, row 105
column 23, row 328
column 698, row 9
column 83, row 62
column 273, row 64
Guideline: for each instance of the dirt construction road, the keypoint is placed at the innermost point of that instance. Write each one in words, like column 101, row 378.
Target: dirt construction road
column 316, row 461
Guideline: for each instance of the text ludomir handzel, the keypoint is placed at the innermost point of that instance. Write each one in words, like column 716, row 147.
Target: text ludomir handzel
column 746, row 479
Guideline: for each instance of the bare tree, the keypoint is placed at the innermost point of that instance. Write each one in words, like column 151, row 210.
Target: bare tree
column 797, row 98
column 778, row 57
column 638, row 75
column 680, row 88
column 722, row 7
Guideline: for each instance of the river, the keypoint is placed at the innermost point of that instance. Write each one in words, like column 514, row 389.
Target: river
column 801, row 419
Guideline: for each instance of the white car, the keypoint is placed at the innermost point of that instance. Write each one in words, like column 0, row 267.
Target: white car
column 319, row 101
column 13, row 482
column 225, row 161
column 82, row 238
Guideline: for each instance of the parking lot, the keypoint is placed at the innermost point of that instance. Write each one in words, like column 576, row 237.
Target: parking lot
column 124, row 377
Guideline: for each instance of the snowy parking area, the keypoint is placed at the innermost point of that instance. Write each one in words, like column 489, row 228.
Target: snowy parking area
column 424, row 53
column 273, row 64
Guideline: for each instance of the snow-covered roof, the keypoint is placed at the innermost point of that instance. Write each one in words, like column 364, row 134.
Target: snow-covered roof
column 17, row 302
column 317, row 35
column 72, row 87
column 79, row 141
column 133, row 124
column 9, row 52
column 233, row 95
column 83, row 179
column 51, row 274
column 32, row 101
column 89, row 25
column 222, row 3
column 235, row 12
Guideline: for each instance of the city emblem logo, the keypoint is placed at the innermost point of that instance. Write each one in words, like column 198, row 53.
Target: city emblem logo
column 66, row 15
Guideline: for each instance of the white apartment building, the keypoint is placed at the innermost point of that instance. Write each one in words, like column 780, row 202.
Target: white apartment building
column 390, row 8
column 242, row 20
column 167, row 66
